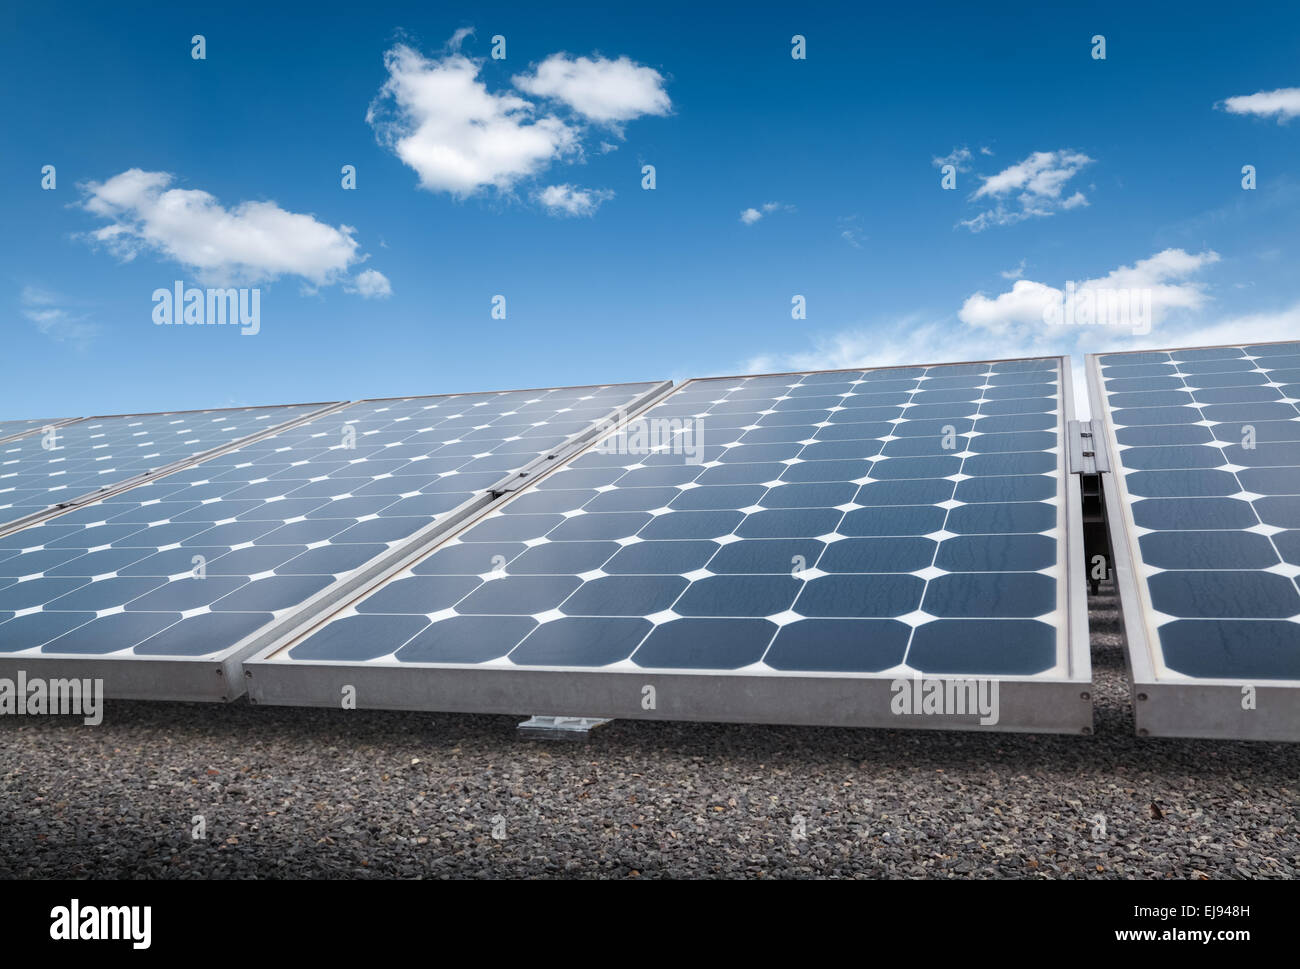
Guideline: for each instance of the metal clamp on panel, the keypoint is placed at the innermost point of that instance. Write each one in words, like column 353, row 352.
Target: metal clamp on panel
column 520, row 478
column 534, row 469
column 575, row 445
column 1087, row 456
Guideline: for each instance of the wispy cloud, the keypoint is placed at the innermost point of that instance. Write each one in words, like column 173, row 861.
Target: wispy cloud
column 459, row 37
column 1016, row 273
column 958, row 158
column 1032, row 188
column 51, row 313
column 1283, row 104
column 851, row 230
column 571, row 200
column 751, row 215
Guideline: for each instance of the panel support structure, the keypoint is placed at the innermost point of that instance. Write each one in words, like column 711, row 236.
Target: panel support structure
column 1089, row 460
column 560, row 728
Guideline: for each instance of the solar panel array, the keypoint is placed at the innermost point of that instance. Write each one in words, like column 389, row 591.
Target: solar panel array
column 775, row 547
column 851, row 522
column 38, row 471
column 1208, row 446
column 190, row 563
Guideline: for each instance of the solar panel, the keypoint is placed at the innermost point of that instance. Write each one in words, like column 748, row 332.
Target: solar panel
column 39, row 472
column 154, row 587
column 12, row 429
column 779, row 548
column 1204, row 510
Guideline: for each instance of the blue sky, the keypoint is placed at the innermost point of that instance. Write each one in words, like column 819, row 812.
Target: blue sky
column 1124, row 171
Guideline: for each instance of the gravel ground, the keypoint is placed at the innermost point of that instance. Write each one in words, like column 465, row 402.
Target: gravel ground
column 323, row 793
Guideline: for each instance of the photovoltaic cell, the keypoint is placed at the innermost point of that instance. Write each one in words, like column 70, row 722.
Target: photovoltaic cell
column 1207, row 469
column 190, row 563
column 882, row 522
column 38, row 471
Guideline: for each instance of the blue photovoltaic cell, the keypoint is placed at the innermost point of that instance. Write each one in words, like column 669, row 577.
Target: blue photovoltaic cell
column 38, row 471
column 847, row 522
column 270, row 523
column 1209, row 448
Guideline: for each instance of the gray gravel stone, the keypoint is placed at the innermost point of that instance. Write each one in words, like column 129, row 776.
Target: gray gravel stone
column 289, row 792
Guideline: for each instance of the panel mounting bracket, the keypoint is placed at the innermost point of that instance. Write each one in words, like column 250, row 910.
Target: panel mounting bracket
column 560, row 728
column 554, row 458
column 1087, row 456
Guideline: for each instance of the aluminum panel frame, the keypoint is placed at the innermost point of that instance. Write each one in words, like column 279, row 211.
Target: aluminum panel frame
column 1208, row 709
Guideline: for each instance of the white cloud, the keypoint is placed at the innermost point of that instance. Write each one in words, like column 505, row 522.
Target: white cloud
column 958, row 158
column 851, row 230
column 571, row 200
column 1041, row 174
column 49, row 311
column 442, row 121
column 912, row 340
column 1023, row 305
column 250, row 243
column 1164, row 276
column 1011, row 325
column 1284, row 103
column 601, row 90
column 751, row 215
column 438, row 116
column 1030, row 188
column 371, row 284
column 1281, row 324
column 1016, row 273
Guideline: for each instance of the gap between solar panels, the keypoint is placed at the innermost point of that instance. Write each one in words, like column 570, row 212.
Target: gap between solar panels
column 163, row 586
column 1203, row 506
column 44, row 472
column 13, row 430
column 895, row 547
